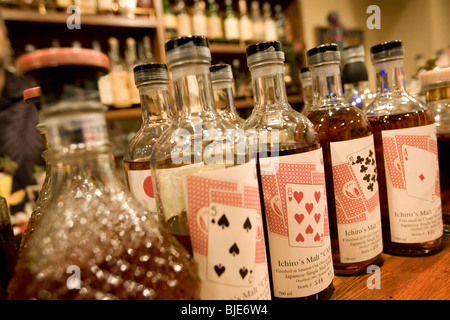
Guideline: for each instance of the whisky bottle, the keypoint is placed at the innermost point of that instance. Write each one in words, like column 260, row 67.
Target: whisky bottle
column 131, row 60
column 95, row 241
column 222, row 83
column 184, row 19
column 245, row 22
column 119, row 76
column 270, row 26
column 206, row 190
column 170, row 21
column 230, row 22
column 258, row 21
column 355, row 78
column 407, row 158
column 152, row 80
column 292, row 182
column 215, row 27
column 350, row 167
column 436, row 84
column 199, row 20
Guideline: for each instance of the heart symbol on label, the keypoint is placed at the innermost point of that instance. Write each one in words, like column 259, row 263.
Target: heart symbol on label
column 298, row 196
column 317, row 217
column 300, row 238
column 309, row 230
column 309, row 207
column 317, row 196
column 299, row 218
column 290, row 198
column 317, row 238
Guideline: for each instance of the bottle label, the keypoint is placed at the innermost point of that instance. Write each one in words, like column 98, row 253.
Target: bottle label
column 357, row 199
column 297, row 223
column 227, row 236
column 141, row 187
column 412, row 181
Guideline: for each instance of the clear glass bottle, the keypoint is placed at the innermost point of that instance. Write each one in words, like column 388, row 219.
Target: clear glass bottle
column 152, row 80
column 350, row 169
column 258, row 21
column 245, row 22
column 8, row 249
column 215, row 27
column 222, row 83
column 281, row 22
column 119, row 76
column 131, row 60
column 286, row 148
column 199, row 20
column 436, row 84
column 94, row 241
column 270, row 26
column 307, row 93
column 200, row 170
column 184, row 19
column 355, row 78
column 230, row 22
column 170, row 21
column 406, row 152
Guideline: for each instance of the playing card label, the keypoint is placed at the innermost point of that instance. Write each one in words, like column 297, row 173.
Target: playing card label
column 141, row 187
column 357, row 201
column 412, row 183
column 227, row 236
column 297, row 222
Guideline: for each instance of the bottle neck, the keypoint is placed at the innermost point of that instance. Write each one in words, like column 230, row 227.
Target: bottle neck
column 223, row 96
column 77, row 130
column 155, row 102
column 193, row 90
column 327, row 85
column 390, row 76
column 269, row 88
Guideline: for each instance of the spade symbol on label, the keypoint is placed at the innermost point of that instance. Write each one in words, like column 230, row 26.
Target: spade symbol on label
column 234, row 250
column 223, row 222
column 219, row 269
column 247, row 224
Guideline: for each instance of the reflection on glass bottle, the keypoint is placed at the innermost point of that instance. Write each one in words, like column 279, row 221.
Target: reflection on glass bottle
column 152, row 81
column 92, row 225
column 222, row 83
column 355, row 77
column 407, row 161
column 288, row 150
column 306, row 81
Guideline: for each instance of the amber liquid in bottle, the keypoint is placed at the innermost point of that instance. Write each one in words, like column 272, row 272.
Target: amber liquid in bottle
column 398, row 121
column 339, row 125
column 444, row 170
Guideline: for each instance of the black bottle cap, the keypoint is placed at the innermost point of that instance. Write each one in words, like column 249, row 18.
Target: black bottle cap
column 304, row 70
column 153, row 71
column 221, row 72
column 322, row 49
column 199, row 41
column 263, row 46
column 325, row 53
column 386, row 46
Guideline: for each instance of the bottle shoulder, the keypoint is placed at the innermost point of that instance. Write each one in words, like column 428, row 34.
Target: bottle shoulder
column 392, row 103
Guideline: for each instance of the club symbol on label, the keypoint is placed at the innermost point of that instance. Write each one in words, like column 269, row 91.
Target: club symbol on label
column 247, row 224
column 223, row 222
column 234, row 250
column 219, row 269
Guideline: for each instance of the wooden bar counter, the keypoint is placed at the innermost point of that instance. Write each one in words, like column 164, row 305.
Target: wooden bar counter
column 401, row 278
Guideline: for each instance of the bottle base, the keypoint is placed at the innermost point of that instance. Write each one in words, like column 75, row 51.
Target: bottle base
column 414, row 249
column 347, row 269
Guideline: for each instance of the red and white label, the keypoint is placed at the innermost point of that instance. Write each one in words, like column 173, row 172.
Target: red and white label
column 357, row 199
column 413, row 187
column 297, row 221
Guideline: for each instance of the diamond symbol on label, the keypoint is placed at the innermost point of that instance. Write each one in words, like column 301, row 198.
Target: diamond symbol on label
column 422, row 177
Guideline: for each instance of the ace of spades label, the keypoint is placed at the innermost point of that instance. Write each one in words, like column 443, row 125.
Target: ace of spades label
column 305, row 211
column 231, row 245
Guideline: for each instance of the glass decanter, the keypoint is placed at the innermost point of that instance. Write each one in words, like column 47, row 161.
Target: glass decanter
column 152, row 80
column 287, row 149
column 407, row 158
column 94, row 241
column 222, row 83
column 350, row 169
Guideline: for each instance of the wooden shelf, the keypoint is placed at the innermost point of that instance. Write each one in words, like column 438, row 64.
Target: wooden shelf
column 92, row 20
column 124, row 113
column 228, row 48
column 402, row 278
